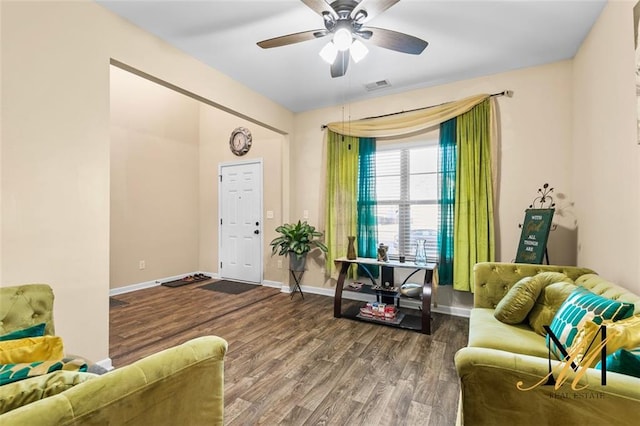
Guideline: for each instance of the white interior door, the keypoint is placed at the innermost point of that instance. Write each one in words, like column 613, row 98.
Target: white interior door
column 240, row 201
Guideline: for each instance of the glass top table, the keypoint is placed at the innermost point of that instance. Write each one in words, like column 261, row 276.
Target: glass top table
column 421, row 323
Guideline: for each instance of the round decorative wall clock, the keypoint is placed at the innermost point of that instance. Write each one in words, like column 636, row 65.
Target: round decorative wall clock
column 240, row 141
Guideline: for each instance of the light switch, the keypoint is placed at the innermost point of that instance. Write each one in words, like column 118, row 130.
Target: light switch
column 269, row 214
column 305, row 214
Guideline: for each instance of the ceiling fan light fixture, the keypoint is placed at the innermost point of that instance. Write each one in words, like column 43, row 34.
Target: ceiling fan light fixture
column 342, row 38
column 358, row 51
column 329, row 53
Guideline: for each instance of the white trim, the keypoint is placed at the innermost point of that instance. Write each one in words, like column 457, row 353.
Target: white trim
column 455, row 311
column 106, row 364
column 274, row 284
column 133, row 287
column 154, row 283
column 427, row 142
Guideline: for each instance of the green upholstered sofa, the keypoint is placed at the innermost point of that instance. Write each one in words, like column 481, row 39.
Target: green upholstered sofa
column 498, row 356
column 180, row 385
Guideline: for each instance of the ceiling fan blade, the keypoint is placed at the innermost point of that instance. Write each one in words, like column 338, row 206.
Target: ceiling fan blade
column 320, row 7
column 372, row 8
column 394, row 40
column 292, row 38
column 339, row 67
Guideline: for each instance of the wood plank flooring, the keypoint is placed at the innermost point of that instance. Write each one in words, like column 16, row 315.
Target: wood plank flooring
column 291, row 363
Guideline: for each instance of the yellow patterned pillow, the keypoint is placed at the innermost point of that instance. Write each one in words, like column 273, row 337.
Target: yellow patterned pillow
column 622, row 334
column 31, row 349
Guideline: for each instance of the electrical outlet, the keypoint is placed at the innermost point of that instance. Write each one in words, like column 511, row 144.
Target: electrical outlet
column 279, row 264
column 142, row 265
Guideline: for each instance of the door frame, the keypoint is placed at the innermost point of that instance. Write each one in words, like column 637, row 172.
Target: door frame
column 259, row 162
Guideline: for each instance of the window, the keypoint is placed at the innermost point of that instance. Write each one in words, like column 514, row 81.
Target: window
column 407, row 198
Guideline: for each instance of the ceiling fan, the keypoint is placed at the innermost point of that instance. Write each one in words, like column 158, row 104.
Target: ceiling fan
column 344, row 20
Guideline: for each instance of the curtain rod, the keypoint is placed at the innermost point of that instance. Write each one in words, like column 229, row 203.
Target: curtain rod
column 507, row 93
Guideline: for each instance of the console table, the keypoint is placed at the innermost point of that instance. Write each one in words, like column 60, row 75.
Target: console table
column 420, row 323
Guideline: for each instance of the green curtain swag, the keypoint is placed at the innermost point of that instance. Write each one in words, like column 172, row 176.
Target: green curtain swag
column 446, row 200
column 406, row 123
column 367, row 234
column 341, row 206
column 474, row 226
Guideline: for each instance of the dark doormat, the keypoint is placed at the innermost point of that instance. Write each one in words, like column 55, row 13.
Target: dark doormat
column 114, row 303
column 229, row 287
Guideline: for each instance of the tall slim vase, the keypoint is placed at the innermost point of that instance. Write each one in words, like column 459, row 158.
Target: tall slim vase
column 351, row 249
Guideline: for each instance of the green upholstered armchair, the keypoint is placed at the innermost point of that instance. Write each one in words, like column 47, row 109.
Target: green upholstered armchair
column 181, row 385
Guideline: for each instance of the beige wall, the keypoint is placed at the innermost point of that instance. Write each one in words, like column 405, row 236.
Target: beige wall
column 536, row 126
column 154, row 181
column 605, row 150
column 55, row 148
column 166, row 149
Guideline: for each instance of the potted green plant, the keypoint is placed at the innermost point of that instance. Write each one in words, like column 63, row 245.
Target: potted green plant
column 296, row 240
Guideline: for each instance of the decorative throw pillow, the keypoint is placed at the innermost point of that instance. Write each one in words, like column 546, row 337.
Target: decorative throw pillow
column 623, row 361
column 582, row 306
column 31, row 349
column 13, row 372
column 623, row 334
column 547, row 305
column 33, row 331
column 516, row 304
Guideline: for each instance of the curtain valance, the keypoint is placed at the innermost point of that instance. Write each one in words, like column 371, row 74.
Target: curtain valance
column 406, row 123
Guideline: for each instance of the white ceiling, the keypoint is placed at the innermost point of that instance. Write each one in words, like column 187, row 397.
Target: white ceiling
column 466, row 39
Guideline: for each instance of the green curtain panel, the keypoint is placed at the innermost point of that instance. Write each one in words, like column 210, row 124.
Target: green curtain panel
column 446, row 200
column 367, row 226
column 474, row 226
column 342, row 192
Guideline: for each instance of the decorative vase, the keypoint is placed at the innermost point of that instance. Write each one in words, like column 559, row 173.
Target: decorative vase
column 296, row 263
column 411, row 289
column 351, row 249
column 421, row 252
column 382, row 253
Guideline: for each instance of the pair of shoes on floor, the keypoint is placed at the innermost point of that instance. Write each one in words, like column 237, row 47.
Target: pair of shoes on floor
column 196, row 277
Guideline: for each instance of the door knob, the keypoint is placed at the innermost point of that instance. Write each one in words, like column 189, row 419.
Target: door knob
column 256, row 232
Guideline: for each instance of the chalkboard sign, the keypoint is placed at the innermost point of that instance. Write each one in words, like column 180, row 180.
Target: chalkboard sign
column 535, row 232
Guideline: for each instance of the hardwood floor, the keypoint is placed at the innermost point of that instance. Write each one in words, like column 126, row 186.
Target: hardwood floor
column 290, row 362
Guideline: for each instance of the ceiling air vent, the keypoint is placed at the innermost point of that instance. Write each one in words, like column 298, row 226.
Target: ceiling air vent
column 377, row 85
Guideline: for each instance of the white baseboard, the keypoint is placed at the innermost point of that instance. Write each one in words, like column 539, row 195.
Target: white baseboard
column 154, row 283
column 106, row 364
column 455, row 311
column 361, row 297
column 133, row 287
column 274, row 284
column 321, row 291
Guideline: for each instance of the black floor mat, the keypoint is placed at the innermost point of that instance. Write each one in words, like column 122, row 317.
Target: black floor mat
column 229, row 287
column 114, row 303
